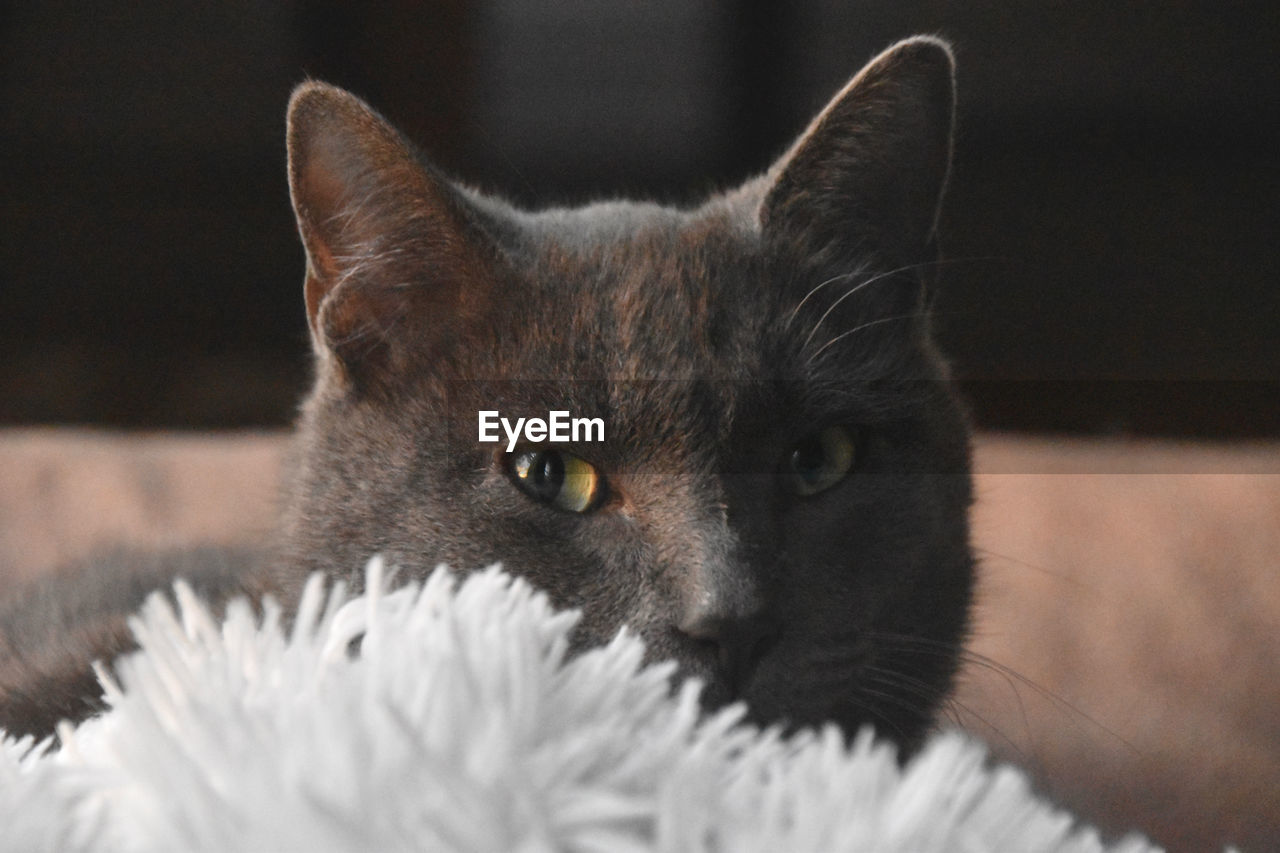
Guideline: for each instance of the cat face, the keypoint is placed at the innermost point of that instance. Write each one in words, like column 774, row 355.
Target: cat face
column 780, row 500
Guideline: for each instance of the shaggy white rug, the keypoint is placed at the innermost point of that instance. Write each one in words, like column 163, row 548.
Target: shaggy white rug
column 461, row 724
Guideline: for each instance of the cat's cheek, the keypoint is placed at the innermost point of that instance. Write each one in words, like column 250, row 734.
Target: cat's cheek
column 842, row 518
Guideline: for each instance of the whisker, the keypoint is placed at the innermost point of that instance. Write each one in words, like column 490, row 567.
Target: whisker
column 902, row 681
column 794, row 311
column 859, row 286
column 1044, row 570
column 1011, row 677
column 878, row 714
column 938, row 262
column 859, row 328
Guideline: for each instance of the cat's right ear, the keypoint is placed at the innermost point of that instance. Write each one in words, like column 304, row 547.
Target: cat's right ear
column 395, row 261
column 868, row 174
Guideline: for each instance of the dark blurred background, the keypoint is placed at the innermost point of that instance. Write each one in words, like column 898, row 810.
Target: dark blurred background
column 1112, row 223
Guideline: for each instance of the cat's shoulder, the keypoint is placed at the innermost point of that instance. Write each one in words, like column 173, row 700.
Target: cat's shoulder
column 53, row 626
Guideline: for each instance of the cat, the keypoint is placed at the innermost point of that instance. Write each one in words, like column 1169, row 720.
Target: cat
column 780, row 502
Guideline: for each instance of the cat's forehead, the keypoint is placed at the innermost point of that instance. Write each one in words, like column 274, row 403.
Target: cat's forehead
column 656, row 291
column 619, row 221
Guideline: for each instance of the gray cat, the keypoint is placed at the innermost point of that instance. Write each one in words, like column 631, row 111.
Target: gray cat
column 780, row 500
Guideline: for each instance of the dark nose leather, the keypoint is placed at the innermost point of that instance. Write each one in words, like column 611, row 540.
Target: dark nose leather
column 723, row 602
column 739, row 642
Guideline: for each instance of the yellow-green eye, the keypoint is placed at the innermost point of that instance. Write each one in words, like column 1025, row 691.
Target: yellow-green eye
column 821, row 460
column 557, row 478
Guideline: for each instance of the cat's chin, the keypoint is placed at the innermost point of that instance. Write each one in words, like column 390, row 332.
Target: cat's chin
column 716, row 692
column 791, row 706
column 767, row 703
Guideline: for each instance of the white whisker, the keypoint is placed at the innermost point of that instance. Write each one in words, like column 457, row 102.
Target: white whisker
column 792, row 316
column 872, row 280
column 859, row 328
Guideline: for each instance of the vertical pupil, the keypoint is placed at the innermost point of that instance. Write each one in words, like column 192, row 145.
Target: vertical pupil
column 548, row 474
column 808, row 456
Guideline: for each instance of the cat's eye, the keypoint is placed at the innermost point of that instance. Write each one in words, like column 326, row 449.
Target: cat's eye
column 820, row 460
column 557, row 478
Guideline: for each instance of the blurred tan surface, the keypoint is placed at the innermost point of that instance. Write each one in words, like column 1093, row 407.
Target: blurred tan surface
column 1133, row 591
column 1127, row 636
column 64, row 492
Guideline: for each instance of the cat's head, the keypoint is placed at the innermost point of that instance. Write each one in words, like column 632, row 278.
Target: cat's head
column 780, row 500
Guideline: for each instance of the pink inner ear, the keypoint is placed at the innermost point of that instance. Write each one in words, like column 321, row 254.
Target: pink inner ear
column 395, row 268
column 319, row 193
column 322, row 195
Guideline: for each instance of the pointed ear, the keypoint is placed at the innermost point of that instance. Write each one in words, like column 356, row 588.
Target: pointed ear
column 395, row 260
column 869, row 172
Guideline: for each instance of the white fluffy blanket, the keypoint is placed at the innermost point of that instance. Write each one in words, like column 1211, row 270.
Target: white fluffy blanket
column 460, row 724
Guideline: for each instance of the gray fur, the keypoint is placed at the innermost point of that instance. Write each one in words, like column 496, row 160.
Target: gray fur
column 711, row 341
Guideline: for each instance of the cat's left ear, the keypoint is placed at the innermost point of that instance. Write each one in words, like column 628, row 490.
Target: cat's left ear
column 868, row 174
column 398, row 267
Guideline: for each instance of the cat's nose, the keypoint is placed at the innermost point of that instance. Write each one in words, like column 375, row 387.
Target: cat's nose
column 723, row 604
column 739, row 642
